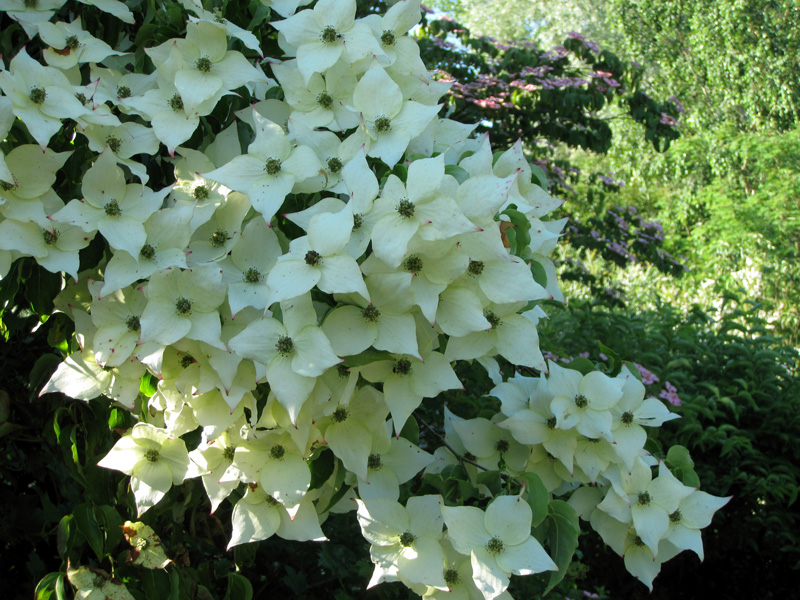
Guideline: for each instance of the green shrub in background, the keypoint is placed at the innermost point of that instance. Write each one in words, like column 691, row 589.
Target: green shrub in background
column 739, row 389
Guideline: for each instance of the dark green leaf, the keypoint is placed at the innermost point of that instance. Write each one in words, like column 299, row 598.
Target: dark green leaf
column 614, row 361
column 562, row 539
column 48, row 586
column 88, row 527
column 410, row 431
column 537, row 497
column 239, row 588
column 321, row 468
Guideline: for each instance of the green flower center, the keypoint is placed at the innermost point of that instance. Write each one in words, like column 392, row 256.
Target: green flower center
column 203, row 64
column 494, row 546
column 273, row 166
column 493, row 319
column 50, row 237
column 148, row 252
column 413, row 264
column 252, row 275
column 183, row 306
column 72, row 42
column 176, row 102
column 335, row 165
column 676, row 517
column 581, row 401
column 133, row 323
column 329, row 35
column 451, row 577
column 639, row 542
column 388, row 38
column 383, row 124
column 358, row 221
column 551, row 423
column 112, row 209
column 277, row 452
column 342, row 371
column 6, row 186
column 370, row 313
column 123, row 91
column 81, row 98
column 644, row 499
column 219, row 237
column 284, row 345
column 152, row 455
column 374, row 462
column 38, row 95
column 475, row 267
column 405, row 208
column 626, row 418
column 325, row 100
column 229, row 453
column 114, row 143
column 340, row 415
column 271, row 501
column 30, row 3
column 407, row 538
column 187, row 360
column 402, row 367
column 502, row 446
column 313, row 258
column 201, row 192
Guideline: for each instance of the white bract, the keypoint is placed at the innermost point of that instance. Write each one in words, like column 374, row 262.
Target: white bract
column 153, row 460
column 498, row 541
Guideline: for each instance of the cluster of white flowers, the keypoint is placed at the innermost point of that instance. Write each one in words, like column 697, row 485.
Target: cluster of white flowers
column 342, row 316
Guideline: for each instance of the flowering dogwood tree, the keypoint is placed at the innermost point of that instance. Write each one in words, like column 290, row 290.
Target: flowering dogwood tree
column 305, row 265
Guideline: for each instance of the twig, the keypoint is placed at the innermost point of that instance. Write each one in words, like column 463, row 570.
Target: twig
column 459, row 457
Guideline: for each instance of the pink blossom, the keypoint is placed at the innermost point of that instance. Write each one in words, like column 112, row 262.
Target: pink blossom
column 648, row 377
column 670, row 394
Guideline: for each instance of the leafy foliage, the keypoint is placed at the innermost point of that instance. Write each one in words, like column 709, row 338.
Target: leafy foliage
column 733, row 61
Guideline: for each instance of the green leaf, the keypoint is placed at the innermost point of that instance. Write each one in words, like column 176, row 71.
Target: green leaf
column 42, row 369
column 244, row 555
column 65, row 534
column 539, row 176
column 51, row 586
column 88, row 527
column 632, row 368
column 120, row 418
column 562, row 538
column 175, row 585
column 366, row 357
column 410, row 431
column 492, row 480
column 459, row 173
column 584, row 365
column 321, row 468
column 336, row 497
column 239, row 588
column 111, row 523
column 614, row 361
column 538, row 272
column 148, row 385
column 519, row 235
column 679, row 457
column 537, row 496
column 156, row 584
